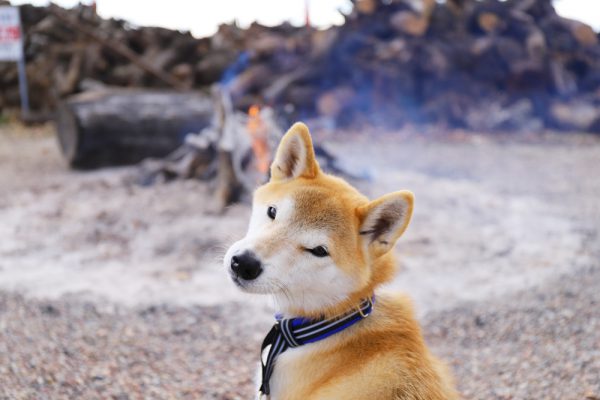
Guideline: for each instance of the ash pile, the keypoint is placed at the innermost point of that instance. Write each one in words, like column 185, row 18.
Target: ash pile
column 477, row 65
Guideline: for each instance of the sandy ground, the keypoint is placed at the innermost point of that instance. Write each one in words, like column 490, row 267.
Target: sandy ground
column 111, row 290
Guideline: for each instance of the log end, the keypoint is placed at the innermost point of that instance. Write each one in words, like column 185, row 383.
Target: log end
column 67, row 128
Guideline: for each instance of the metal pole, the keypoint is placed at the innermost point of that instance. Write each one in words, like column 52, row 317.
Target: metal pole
column 23, row 92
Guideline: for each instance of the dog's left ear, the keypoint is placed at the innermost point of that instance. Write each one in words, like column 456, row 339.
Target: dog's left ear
column 384, row 220
column 295, row 155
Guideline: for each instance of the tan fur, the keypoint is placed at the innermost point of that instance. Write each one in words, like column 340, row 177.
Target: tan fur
column 384, row 356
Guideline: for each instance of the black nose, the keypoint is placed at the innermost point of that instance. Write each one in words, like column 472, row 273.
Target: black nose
column 246, row 266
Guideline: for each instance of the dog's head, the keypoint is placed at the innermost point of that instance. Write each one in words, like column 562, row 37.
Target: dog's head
column 314, row 241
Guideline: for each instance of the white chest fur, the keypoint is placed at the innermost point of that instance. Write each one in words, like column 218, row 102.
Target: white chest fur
column 294, row 370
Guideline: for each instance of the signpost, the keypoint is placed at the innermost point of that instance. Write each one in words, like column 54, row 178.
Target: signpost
column 11, row 49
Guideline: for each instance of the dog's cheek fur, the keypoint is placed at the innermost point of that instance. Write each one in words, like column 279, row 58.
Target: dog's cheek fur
column 300, row 279
column 313, row 283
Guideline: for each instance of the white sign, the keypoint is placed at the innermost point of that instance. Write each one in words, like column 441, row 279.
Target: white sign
column 11, row 48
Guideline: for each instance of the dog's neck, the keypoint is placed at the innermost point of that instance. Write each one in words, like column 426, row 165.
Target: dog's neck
column 325, row 305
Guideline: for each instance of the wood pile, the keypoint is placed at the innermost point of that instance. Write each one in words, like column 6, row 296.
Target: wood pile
column 72, row 51
column 481, row 65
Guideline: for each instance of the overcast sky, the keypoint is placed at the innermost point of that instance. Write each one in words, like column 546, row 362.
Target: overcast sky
column 202, row 17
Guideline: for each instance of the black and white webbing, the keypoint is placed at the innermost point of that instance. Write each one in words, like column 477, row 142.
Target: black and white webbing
column 294, row 332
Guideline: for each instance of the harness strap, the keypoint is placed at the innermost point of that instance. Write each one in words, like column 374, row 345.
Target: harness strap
column 295, row 332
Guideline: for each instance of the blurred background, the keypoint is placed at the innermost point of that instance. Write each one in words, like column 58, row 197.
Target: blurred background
column 132, row 135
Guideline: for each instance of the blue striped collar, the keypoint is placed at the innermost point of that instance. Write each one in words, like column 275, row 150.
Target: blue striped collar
column 294, row 332
column 299, row 331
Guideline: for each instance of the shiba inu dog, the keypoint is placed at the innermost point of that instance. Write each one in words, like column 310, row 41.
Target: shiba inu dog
column 321, row 249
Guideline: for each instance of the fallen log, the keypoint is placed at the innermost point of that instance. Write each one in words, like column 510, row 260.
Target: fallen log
column 124, row 126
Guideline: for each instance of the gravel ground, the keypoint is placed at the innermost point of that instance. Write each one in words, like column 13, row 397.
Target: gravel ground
column 539, row 344
column 68, row 349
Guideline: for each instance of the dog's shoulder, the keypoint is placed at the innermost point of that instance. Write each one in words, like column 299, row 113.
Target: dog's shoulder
column 386, row 336
column 394, row 312
column 403, row 348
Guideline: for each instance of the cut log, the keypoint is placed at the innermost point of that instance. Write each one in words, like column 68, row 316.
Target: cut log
column 118, row 127
column 575, row 115
column 489, row 22
column 365, row 6
column 584, row 33
column 333, row 102
column 410, row 23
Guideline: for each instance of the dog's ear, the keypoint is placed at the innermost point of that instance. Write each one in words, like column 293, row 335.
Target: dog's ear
column 384, row 220
column 295, row 155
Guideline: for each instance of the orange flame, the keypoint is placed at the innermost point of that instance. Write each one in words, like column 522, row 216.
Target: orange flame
column 257, row 130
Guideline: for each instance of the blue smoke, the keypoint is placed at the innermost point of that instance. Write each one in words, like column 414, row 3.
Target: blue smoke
column 235, row 69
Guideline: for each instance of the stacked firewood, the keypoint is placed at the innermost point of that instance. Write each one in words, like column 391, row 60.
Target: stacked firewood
column 71, row 51
column 479, row 65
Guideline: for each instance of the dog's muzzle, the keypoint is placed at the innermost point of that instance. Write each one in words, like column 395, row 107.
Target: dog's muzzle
column 246, row 266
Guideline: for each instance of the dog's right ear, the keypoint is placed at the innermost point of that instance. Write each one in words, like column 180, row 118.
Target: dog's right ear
column 295, row 155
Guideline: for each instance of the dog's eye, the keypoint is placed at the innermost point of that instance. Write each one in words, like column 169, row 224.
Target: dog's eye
column 271, row 212
column 319, row 251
